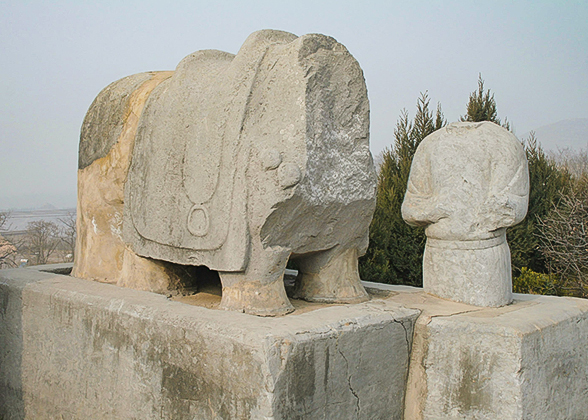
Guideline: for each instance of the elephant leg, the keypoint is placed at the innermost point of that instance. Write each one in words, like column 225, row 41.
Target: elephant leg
column 330, row 276
column 259, row 290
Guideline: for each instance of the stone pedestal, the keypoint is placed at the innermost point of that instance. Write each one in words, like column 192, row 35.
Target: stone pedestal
column 473, row 272
column 79, row 349
column 527, row 360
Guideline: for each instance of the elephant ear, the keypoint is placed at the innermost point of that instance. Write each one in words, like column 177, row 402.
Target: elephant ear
column 186, row 196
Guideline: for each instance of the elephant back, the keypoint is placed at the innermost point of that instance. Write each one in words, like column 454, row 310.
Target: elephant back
column 104, row 121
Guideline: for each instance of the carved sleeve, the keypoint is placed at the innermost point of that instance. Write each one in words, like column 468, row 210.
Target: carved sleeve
column 419, row 207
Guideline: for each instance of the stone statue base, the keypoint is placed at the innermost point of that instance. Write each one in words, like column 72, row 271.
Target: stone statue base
column 526, row 360
column 473, row 272
column 83, row 349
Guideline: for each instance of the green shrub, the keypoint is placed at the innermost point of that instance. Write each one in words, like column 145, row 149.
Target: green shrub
column 530, row 282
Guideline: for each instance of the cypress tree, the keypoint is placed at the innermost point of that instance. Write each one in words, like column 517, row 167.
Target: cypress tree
column 482, row 107
column 395, row 252
column 547, row 181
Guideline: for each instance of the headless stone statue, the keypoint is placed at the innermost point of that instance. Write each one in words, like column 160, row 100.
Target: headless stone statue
column 468, row 183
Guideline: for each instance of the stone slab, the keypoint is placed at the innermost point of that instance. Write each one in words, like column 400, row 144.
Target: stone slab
column 527, row 360
column 12, row 284
column 73, row 348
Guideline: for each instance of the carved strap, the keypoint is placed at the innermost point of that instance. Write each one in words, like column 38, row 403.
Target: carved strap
column 479, row 244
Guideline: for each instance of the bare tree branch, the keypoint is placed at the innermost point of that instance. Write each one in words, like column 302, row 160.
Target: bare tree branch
column 42, row 238
column 564, row 241
column 574, row 161
column 7, row 249
column 68, row 234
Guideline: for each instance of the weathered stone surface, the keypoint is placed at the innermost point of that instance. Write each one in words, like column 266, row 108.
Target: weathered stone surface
column 239, row 163
column 12, row 284
column 76, row 349
column 522, row 361
column 104, row 122
column 468, row 183
column 105, row 148
column 92, row 350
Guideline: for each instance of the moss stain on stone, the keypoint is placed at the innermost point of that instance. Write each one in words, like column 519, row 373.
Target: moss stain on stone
column 473, row 392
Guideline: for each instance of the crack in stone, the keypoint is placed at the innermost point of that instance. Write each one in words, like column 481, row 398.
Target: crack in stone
column 408, row 356
column 457, row 313
column 358, row 407
column 406, row 338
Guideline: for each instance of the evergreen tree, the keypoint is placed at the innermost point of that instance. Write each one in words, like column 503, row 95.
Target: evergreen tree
column 396, row 249
column 547, row 181
column 482, row 107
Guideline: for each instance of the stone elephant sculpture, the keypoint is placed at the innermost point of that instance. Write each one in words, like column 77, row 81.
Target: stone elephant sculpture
column 234, row 162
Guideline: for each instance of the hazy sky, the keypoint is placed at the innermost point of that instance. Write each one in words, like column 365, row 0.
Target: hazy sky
column 57, row 55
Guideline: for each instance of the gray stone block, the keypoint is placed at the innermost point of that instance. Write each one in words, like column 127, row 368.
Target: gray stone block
column 92, row 350
column 527, row 360
column 12, row 283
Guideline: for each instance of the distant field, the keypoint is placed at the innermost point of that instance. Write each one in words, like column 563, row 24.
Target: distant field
column 18, row 220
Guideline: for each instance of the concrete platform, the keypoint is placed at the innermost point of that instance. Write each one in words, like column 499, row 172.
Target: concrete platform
column 76, row 349
column 527, row 360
